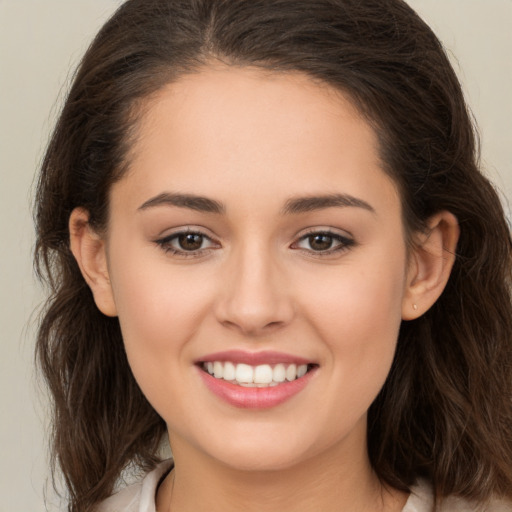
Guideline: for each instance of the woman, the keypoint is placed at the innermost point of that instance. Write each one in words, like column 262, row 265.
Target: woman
column 267, row 238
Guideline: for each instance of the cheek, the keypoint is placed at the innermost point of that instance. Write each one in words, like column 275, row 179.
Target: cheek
column 159, row 309
column 358, row 316
column 154, row 298
column 364, row 298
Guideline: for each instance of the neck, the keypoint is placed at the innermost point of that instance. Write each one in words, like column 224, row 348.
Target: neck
column 328, row 483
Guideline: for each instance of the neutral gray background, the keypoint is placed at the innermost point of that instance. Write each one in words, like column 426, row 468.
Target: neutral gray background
column 40, row 41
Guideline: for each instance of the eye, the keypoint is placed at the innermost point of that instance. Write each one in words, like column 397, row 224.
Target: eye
column 190, row 241
column 323, row 242
column 186, row 243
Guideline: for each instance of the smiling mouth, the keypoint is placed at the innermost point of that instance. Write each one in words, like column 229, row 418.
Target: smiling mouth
column 260, row 376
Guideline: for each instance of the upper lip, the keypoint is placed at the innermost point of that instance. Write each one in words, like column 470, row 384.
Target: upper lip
column 254, row 358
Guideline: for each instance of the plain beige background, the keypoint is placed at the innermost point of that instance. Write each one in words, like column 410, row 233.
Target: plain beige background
column 40, row 41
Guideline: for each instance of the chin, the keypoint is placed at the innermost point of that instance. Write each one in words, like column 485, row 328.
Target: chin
column 267, row 451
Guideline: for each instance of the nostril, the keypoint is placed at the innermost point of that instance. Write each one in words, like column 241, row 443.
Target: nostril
column 252, row 324
column 252, row 299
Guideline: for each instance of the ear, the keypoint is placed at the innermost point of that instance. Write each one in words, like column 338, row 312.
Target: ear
column 89, row 250
column 430, row 264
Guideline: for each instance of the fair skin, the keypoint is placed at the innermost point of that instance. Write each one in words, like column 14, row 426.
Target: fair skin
column 295, row 250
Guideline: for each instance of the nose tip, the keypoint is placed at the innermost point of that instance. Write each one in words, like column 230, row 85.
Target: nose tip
column 254, row 300
column 254, row 321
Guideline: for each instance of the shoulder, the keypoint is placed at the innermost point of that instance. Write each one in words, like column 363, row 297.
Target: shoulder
column 137, row 497
column 422, row 500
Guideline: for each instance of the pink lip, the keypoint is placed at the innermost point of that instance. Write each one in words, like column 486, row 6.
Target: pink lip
column 254, row 358
column 255, row 398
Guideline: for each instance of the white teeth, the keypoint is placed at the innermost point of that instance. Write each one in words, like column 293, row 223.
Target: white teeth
column 291, row 372
column 229, row 371
column 244, row 373
column 279, row 373
column 218, row 370
column 263, row 375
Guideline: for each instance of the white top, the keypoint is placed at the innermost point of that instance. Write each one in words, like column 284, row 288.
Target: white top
column 140, row 497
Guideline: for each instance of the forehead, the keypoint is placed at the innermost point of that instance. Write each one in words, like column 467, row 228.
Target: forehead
column 226, row 129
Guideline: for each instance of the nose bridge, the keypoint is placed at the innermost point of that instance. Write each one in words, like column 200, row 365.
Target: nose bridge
column 255, row 297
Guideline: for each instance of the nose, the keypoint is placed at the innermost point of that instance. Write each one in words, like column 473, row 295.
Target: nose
column 255, row 298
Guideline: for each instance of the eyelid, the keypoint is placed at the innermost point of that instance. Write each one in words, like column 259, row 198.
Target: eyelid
column 346, row 241
column 313, row 230
column 164, row 242
column 185, row 228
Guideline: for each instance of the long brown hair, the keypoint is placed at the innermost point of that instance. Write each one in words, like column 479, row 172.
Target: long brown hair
column 445, row 412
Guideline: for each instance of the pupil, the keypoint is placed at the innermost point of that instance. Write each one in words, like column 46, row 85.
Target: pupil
column 320, row 242
column 190, row 241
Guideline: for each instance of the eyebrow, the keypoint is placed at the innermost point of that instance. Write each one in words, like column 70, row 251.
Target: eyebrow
column 312, row 203
column 292, row 206
column 193, row 202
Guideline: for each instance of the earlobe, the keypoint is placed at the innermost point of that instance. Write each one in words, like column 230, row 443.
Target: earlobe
column 430, row 264
column 88, row 248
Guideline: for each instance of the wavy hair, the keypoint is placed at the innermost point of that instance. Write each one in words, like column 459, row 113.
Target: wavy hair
column 445, row 411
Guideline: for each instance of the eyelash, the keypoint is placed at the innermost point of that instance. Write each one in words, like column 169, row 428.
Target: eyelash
column 343, row 243
column 165, row 244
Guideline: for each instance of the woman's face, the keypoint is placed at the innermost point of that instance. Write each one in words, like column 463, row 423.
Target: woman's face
column 256, row 236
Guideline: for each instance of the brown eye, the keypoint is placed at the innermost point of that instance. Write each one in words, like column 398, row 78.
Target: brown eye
column 320, row 242
column 324, row 243
column 190, row 241
column 187, row 243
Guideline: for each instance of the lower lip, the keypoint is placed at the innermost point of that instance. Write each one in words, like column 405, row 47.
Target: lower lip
column 255, row 398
